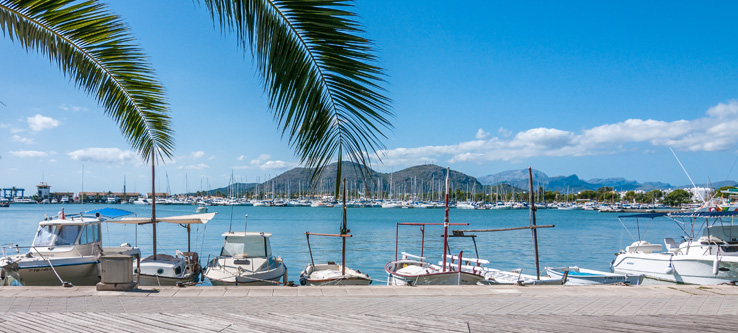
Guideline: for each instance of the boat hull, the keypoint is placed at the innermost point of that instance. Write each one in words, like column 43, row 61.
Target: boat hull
column 416, row 273
column 78, row 271
column 590, row 277
column 330, row 275
column 677, row 268
column 154, row 280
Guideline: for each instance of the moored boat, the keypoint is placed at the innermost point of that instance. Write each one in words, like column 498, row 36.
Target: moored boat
column 577, row 276
column 65, row 250
column 331, row 273
column 246, row 259
column 708, row 254
column 168, row 270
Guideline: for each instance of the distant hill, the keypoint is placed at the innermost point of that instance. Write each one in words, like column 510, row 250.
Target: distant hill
column 417, row 179
column 573, row 183
column 429, row 178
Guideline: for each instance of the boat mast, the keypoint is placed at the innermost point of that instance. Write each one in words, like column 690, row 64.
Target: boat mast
column 533, row 230
column 344, row 231
column 153, row 200
column 445, row 223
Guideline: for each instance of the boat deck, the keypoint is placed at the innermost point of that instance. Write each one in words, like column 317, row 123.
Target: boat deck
column 372, row 308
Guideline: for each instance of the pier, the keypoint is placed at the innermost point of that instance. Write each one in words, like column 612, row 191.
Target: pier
column 644, row 308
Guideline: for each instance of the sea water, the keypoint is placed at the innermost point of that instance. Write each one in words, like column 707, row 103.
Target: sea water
column 580, row 238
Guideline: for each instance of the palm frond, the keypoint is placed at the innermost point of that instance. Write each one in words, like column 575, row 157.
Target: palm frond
column 93, row 47
column 320, row 75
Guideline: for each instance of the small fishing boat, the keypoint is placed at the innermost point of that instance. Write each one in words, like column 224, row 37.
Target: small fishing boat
column 65, row 250
column 330, row 273
column 246, row 259
column 417, row 271
column 169, row 270
column 577, row 276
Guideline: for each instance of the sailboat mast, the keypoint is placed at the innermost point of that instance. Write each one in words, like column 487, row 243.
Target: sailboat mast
column 533, row 222
column 344, row 231
column 445, row 223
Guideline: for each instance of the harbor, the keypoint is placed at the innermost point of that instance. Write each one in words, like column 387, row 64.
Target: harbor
column 677, row 308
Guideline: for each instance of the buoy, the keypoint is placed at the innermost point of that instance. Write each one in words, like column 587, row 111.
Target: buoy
column 670, row 269
column 716, row 266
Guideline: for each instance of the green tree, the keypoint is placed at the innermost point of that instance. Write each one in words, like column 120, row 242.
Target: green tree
column 719, row 192
column 677, row 197
column 654, row 195
column 320, row 75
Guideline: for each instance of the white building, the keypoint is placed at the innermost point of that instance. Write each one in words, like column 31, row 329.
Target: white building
column 44, row 190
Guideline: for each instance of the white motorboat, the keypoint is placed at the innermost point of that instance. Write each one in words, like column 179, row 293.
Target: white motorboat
column 65, row 250
column 708, row 254
column 330, row 273
column 19, row 200
column 577, row 276
column 141, row 201
column 246, row 259
column 201, row 209
column 167, row 270
column 465, row 205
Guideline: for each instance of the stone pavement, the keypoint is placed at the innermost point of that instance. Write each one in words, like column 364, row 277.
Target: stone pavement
column 373, row 308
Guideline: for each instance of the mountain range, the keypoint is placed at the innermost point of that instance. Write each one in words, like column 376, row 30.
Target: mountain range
column 429, row 178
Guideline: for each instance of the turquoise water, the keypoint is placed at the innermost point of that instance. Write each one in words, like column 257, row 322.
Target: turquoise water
column 583, row 238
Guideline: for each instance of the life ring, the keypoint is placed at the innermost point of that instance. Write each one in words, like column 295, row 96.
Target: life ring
column 714, row 209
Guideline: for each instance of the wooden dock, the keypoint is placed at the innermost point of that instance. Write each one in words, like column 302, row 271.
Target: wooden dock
column 374, row 308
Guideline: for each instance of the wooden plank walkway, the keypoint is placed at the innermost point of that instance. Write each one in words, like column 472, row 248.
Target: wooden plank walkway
column 374, row 308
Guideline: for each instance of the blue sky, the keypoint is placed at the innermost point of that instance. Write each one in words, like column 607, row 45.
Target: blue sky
column 587, row 88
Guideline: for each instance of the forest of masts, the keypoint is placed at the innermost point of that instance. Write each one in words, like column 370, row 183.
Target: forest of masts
column 408, row 190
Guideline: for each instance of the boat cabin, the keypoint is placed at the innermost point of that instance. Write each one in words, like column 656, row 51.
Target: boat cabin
column 61, row 235
column 246, row 245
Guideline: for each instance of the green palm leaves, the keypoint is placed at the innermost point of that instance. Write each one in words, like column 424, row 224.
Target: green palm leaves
column 323, row 86
column 93, row 47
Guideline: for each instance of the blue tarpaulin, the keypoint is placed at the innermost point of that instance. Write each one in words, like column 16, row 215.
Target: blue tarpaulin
column 109, row 212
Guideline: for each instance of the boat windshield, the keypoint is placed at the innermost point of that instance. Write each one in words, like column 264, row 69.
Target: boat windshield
column 247, row 246
column 55, row 235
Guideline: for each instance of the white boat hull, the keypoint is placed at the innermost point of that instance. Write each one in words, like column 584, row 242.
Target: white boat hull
column 584, row 277
column 678, row 268
column 415, row 273
column 331, row 275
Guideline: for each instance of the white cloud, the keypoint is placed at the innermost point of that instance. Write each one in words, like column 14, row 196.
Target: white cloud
column 199, row 166
column 72, row 108
column 52, row 160
column 503, row 132
column 241, row 158
column 265, row 162
column 40, row 123
column 197, row 154
column 105, row 155
column 29, row 153
column 713, row 132
column 481, row 134
column 18, row 138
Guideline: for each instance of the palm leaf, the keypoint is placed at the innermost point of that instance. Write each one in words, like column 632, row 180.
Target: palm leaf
column 319, row 74
column 93, row 47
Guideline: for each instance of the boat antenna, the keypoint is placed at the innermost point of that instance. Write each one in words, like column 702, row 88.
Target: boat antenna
column 445, row 222
column 685, row 171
